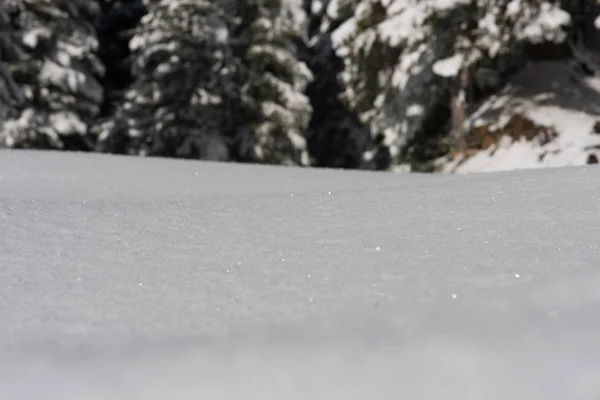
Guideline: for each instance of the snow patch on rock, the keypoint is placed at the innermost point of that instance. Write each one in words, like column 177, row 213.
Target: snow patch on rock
column 549, row 94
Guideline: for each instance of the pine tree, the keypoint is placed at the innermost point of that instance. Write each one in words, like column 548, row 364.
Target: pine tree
column 11, row 97
column 410, row 66
column 52, row 61
column 278, row 112
column 486, row 30
column 184, row 97
column 384, row 47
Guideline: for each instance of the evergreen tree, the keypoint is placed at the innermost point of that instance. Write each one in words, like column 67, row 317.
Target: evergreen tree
column 11, row 97
column 386, row 48
column 411, row 65
column 52, row 61
column 277, row 110
column 486, row 30
column 214, row 80
column 184, row 97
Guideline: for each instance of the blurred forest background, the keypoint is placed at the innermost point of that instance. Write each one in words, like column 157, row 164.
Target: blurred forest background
column 405, row 85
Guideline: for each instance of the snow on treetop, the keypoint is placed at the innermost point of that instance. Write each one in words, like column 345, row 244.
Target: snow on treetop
column 448, row 67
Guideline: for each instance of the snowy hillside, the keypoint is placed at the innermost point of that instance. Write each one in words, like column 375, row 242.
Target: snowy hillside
column 133, row 278
column 547, row 116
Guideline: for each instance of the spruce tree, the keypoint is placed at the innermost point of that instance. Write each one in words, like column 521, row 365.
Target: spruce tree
column 481, row 31
column 277, row 110
column 182, row 102
column 410, row 66
column 11, row 96
column 52, row 61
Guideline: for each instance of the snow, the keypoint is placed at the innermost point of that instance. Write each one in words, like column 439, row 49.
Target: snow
column 549, row 94
column 448, row 67
column 31, row 37
column 405, row 22
column 130, row 278
column 65, row 123
column 546, row 26
column 446, row 4
column 568, row 149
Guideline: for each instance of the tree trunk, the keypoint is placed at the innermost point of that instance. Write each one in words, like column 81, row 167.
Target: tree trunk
column 458, row 108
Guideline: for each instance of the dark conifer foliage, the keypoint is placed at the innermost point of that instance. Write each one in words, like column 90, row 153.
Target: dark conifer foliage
column 116, row 26
column 11, row 96
column 180, row 102
column 52, row 60
column 336, row 137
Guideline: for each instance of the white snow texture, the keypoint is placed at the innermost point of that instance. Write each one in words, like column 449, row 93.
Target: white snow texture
column 141, row 278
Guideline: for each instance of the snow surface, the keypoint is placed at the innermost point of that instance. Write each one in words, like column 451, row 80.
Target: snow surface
column 136, row 278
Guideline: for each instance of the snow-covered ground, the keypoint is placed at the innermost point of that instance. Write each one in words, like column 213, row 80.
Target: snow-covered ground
column 551, row 94
column 136, row 278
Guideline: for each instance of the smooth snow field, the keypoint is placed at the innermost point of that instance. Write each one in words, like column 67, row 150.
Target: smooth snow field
column 137, row 278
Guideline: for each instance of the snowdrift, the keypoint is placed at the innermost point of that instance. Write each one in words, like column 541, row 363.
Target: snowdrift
column 137, row 278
